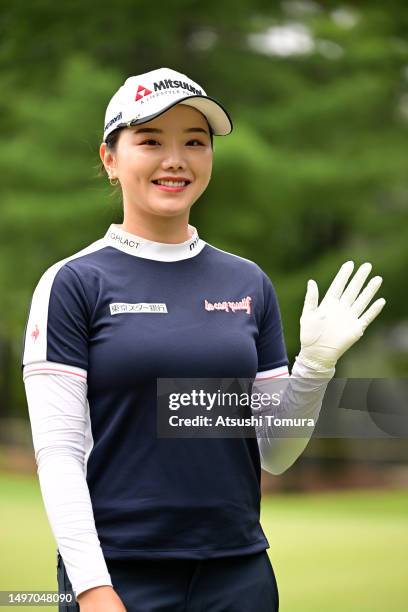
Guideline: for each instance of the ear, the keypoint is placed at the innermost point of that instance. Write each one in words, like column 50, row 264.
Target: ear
column 108, row 158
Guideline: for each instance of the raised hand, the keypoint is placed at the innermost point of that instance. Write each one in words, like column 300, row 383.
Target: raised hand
column 329, row 329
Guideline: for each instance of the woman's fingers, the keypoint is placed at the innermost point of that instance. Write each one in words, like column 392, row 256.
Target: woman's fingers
column 371, row 313
column 311, row 297
column 355, row 285
column 366, row 296
column 340, row 280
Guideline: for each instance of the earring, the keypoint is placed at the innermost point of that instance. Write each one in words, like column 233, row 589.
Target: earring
column 113, row 181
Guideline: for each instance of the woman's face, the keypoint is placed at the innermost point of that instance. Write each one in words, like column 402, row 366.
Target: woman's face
column 175, row 146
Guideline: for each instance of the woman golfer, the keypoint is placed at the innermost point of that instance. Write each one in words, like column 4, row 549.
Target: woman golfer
column 146, row 523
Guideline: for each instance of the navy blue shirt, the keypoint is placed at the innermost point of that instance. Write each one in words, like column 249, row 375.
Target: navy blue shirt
column 122, row 313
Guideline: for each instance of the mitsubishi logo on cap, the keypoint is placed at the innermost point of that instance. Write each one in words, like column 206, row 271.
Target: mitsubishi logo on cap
column 141, row 92
column 166, row 85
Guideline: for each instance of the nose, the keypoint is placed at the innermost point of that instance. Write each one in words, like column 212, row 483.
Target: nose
column 174, row 157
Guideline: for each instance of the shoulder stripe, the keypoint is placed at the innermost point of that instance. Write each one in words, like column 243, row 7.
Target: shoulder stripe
column 35, row 338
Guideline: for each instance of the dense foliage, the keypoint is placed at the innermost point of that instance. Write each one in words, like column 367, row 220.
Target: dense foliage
column 314, row 173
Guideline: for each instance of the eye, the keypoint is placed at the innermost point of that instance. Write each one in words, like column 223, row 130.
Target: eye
column 195, row 140
column 151, row 140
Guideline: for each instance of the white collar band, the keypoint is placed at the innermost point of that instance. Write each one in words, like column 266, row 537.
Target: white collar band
column 148, row 249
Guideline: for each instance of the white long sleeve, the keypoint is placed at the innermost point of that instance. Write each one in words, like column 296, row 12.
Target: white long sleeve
column 302, row 398
column 57, row 404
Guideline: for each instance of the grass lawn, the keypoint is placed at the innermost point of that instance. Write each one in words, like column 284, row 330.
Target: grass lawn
column 331, row 552
column 341, row 551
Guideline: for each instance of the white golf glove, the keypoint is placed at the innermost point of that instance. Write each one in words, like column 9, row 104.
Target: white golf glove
column 329, row 329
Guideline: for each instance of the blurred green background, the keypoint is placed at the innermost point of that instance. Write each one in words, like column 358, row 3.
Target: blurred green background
column 314, row 173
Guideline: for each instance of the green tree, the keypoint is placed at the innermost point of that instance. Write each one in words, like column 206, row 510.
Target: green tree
column 313, row 174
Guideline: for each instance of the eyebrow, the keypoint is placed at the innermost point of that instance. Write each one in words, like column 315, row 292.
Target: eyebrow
column 148, row 130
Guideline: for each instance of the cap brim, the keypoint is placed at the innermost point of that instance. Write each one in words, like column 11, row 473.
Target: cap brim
column 218, row 118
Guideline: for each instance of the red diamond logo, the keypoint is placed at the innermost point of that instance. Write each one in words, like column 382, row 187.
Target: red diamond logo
column 142, row 92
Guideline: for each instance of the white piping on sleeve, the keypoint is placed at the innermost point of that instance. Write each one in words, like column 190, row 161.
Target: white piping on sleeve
column 282, row 371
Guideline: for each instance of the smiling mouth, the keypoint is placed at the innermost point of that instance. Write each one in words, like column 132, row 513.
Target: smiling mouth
column 171, row 183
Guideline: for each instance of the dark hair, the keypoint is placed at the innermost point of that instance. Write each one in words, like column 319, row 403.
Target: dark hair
column 112, row 140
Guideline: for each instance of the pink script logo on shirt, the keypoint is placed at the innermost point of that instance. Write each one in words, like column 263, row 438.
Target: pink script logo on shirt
column 244, row 304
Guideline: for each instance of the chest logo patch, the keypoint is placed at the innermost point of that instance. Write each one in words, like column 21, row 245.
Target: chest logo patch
column 140, row 307
column 244, row 304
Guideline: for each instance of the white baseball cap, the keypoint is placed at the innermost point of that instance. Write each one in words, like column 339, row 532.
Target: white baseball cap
column 143, row 97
